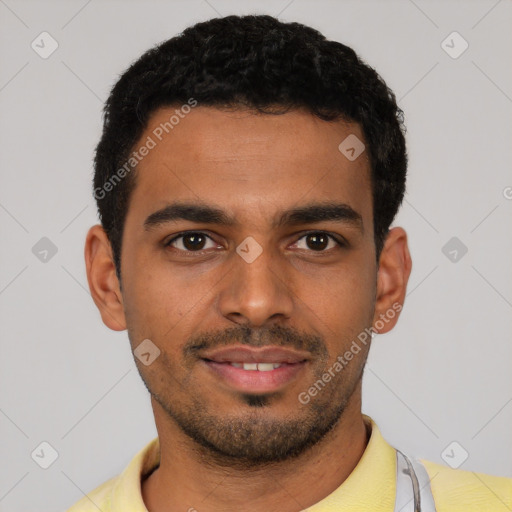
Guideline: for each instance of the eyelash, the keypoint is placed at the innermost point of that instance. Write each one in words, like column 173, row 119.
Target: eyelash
column 340, row 243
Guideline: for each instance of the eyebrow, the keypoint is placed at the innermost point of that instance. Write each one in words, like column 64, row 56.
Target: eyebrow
column 206, row 214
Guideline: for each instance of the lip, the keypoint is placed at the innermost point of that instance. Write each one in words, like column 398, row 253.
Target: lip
column 243, row 354
column 254, row 381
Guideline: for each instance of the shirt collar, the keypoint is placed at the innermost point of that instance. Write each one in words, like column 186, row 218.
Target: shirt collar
column 370, row 486
column 372, row 483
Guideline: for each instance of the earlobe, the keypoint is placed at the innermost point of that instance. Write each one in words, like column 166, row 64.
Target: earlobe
column 394, row 270
column 102, row 278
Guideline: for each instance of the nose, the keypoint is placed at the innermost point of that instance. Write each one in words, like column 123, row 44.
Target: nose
column 256, row 293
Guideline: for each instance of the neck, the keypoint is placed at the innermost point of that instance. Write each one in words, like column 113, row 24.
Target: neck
column 184, row 482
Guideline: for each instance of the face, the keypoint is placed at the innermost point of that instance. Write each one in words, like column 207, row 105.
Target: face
column 248, row 261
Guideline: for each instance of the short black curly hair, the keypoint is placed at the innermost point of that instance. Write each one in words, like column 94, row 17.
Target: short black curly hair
column 262, row 64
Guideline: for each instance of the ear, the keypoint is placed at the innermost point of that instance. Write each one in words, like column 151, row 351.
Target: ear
column 103, row 282
column 394, row 270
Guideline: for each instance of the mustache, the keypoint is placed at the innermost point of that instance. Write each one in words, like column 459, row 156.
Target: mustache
column 276, row 335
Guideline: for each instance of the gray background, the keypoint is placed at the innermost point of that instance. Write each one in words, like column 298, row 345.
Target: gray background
column 442, row 375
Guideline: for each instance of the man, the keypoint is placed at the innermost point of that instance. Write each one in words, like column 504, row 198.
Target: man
column 246, row 180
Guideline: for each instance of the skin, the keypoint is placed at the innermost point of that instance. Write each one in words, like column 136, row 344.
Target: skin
column 252, row 166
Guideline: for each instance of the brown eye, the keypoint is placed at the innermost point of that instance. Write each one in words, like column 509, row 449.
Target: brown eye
column 318, row 241
column 190, row 242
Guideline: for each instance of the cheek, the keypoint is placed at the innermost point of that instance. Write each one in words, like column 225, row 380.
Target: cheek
column 340, row 304
column 347, row 291
column 162, row 303
column 149, row 297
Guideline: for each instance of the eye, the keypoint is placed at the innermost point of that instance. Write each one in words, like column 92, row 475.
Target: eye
column 192, row 241
column 318, row 241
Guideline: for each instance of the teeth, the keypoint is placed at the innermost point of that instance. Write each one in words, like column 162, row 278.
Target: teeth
column 265, row 367
column 262, row 367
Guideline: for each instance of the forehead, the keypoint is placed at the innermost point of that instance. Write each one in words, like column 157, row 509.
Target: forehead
column 251, row 165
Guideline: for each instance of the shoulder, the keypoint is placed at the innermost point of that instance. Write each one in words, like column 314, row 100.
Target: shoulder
column 457, row 490
column 123, row 492
column 98, row 499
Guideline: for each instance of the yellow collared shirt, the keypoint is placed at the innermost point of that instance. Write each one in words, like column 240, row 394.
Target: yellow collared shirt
column 371, row 486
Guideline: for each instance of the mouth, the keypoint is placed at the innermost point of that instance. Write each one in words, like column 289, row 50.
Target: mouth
column 251, row 370
column 260, row 367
